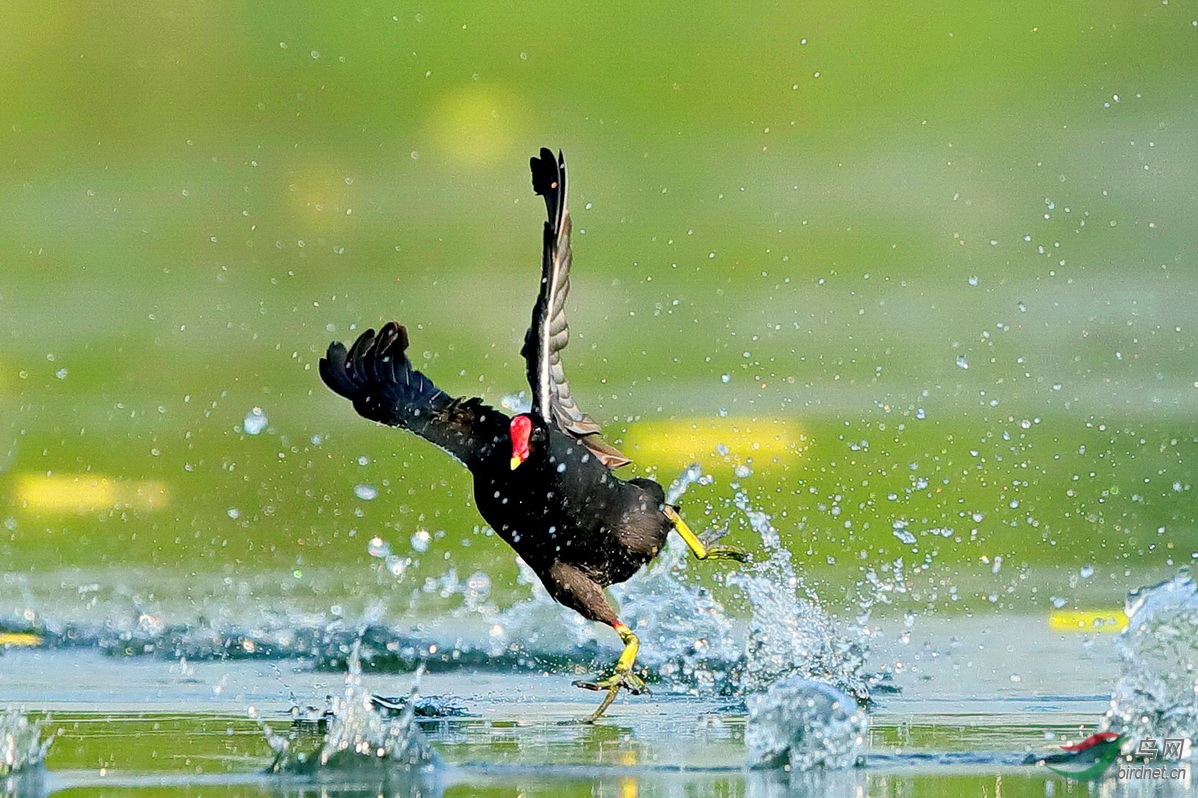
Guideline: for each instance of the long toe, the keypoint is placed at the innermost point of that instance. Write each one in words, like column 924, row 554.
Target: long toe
column 629, row 681
column 728, row 553
column 634, row 684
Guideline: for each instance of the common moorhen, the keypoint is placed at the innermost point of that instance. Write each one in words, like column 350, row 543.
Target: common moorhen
column 543, row 479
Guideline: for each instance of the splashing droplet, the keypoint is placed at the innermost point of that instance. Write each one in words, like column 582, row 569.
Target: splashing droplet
column 255, row 421
column 420, row 540
column 900, row 532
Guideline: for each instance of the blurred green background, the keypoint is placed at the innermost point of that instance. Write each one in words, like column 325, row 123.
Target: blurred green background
column 951, row 246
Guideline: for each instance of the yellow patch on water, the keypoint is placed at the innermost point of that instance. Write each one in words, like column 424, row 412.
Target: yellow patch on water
column 19, row 639
column 85, row 493
column 1087, row 620
column 682, row 440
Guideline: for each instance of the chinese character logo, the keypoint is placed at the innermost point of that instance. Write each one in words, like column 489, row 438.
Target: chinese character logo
column 1093, row 757
column 1175, row 748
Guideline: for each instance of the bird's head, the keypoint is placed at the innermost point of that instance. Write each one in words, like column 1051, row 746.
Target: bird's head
column 529, row 435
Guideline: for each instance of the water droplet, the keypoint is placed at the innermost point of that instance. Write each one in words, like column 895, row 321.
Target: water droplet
column 900, row 532
column 420, row 540
column 366, row 492
column 1086, row 571
column 255, row 421
column 962, row 362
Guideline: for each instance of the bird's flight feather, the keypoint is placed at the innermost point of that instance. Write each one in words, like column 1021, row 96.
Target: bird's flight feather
column 376, row 375
column 549, row 332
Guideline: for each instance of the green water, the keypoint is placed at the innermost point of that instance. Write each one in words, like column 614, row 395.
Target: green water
column 136, row 738
column 949, row 244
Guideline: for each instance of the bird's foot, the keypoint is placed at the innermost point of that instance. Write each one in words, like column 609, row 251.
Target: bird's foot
column 628, row 680
column 704, row 549
column 727, row 553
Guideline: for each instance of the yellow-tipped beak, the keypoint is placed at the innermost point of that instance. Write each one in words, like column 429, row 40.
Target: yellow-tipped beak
column 516, row 461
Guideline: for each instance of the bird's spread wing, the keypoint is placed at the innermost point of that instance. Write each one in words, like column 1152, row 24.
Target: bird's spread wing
column 376, row 375
column 549, row 332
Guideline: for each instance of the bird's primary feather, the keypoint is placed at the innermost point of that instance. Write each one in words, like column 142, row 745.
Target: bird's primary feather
column 376, row 375
column 549, row 332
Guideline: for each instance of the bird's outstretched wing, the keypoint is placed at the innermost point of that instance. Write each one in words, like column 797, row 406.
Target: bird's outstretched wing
column 549, row 332
column 376, row 375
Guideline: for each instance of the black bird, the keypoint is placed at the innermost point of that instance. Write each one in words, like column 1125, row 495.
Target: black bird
column 543, row 480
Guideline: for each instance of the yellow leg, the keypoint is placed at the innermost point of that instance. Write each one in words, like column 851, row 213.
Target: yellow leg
column 701, row 550
column 631, row 646
column 623, row 676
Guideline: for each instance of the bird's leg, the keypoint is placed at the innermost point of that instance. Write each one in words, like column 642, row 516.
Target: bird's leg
column 623, row 675
column 700, row 549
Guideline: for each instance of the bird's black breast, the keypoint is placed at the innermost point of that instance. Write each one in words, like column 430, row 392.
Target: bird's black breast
column 568, row 507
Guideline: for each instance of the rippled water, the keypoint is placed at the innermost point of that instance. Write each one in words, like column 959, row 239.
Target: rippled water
column 966, row 701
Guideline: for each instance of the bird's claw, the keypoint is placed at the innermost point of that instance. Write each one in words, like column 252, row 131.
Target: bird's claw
column 628, row 680
column 728, row 553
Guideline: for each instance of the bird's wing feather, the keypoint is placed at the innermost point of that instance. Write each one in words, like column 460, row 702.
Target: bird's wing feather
column 376, row 375
column 549, row 332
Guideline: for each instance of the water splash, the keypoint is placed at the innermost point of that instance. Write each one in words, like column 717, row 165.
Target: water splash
column 1157, row 692
column 805, row 725
column 688, row 639
column 789, row 633
column 361, row 740
column 21, row 745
